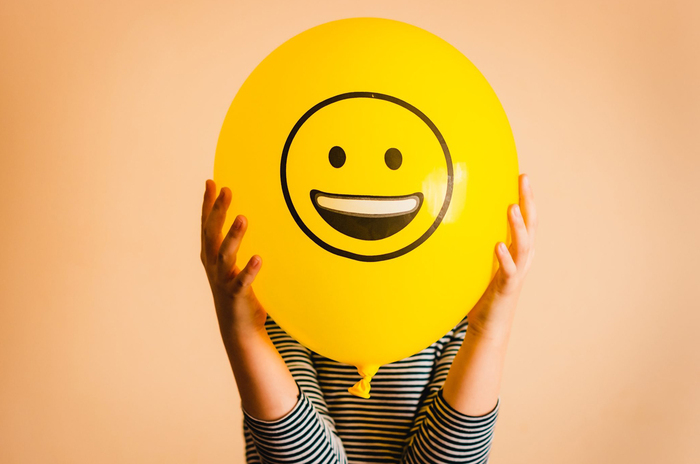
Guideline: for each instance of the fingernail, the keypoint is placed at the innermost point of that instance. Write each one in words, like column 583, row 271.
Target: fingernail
column 526, row 182
column 237, row 223
column 502, row 247
column 516, row 211
column 221, row 193
column 256, row 261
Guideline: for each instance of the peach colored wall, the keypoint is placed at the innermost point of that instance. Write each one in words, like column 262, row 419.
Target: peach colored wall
column 110, row 112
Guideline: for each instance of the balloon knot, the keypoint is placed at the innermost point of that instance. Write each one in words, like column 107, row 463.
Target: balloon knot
column 363, row 387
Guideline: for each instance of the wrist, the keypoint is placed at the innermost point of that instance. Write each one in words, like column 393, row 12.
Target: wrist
column 491, row 321
column 238, row 341
column 497, row 337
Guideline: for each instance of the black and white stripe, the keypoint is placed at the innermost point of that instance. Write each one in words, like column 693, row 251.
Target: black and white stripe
column 406, row 420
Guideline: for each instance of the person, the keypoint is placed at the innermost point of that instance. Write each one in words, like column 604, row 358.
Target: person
column 437, row 406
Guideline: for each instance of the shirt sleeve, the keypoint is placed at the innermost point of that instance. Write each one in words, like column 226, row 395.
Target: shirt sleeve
column 440, row 433
column 307, row 433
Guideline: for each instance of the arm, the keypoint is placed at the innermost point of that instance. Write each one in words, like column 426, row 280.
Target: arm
column 441, row 434
column 473, row 383
column 317, row 443
column 266, row 387
column 458, row 419
column 277, row 411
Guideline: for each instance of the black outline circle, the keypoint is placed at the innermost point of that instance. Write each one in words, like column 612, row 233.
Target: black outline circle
column 345, row 253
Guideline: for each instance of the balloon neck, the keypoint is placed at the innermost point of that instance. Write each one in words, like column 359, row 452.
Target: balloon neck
column 362, row 387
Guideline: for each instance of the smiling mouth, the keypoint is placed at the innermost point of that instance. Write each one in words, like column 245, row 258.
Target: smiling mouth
column 367, row 217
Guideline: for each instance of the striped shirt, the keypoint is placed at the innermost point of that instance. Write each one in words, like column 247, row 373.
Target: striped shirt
column 406, row 420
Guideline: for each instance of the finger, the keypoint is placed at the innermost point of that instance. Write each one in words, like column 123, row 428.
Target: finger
column 214, row 223
column 505, row 260
column 209, row 199
column 245, row 278
column 207, row 204
column 527, row 206
column 521, row 242
column 226, row 258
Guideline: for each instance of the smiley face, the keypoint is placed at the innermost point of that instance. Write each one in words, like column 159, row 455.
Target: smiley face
column 366, row 176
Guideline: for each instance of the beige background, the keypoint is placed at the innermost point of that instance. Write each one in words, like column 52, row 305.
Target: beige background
column 109, row 349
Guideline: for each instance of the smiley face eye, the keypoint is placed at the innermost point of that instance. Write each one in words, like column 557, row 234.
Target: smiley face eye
column 336, row 156
column 393, row 158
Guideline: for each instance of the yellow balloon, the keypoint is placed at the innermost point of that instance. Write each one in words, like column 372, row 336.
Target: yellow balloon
column 375, row 165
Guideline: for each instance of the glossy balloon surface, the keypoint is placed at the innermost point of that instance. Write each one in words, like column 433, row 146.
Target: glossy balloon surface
column 375, row 165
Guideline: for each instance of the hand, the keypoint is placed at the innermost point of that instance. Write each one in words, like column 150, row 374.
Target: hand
column 239, row 313
column 493, row 314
